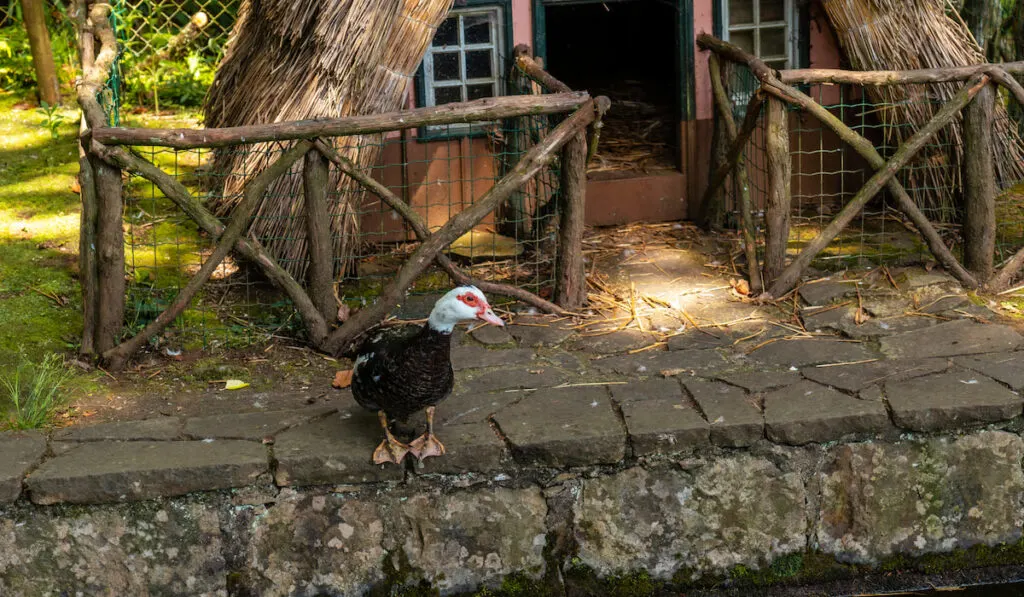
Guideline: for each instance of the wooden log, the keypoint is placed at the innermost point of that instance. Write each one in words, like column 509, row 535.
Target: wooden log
column 316, row 326
column 770, row 84
column 811, row 76
column 780, row 171
column 97, row 25
column 864, row 147
column 110, row 282
column 318, row 233
column 118, row 356
column 571, row 280
column 979, row 175
column 735, row 150
column 736, row 54
column 34, row 16
column 492, row 108
column 88, row 276
column 789, row 277
column 419, row 228
column 526, row 63
column 539, row 156
column 1004, row 78
column 724, row 106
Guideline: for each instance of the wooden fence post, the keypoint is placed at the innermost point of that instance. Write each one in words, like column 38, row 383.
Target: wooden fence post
column 318, row 234
column 571, row 286
column 778, row 202
column 110, row 295
column 979, row 186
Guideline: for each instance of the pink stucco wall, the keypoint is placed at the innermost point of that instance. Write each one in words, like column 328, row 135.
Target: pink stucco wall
column 522, row 22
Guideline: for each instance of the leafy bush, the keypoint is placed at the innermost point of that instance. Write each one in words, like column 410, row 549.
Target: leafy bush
column 35, row 391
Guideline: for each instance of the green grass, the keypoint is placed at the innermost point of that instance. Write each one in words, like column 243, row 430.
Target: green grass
column 39, row 294
column 35, row 391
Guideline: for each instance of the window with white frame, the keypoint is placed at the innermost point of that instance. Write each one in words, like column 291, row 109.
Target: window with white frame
column 463, row 60
column 765, row 28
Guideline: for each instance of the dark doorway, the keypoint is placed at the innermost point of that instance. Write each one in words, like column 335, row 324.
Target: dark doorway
column 627, row 51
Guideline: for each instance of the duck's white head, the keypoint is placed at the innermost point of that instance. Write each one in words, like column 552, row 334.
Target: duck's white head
column 465, row 303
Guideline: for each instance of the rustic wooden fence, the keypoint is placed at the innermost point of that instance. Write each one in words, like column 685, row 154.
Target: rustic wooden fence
column 774, row 276
column 105, row 155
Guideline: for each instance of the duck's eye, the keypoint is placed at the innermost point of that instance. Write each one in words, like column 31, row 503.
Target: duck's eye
column 470, row 299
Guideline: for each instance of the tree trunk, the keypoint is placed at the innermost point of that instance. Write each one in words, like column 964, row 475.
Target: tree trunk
column 315, row 177
column 979, row 186
column 571, row 288
column 983, row 18
column 42, row 54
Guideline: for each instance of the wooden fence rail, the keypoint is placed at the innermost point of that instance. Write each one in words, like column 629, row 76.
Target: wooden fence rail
column 979, row 232
column 105, row 157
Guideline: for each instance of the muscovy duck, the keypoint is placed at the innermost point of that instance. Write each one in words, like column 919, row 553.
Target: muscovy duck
column 399, row 376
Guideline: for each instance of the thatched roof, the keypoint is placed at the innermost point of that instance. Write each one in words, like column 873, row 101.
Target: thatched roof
column 914, row 34
column 302, row 59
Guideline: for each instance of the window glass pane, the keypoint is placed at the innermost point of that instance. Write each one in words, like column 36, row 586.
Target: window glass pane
column 447, row 95
column 447, row 34
column 448, row 66
column 479, row 91
column 743, row 39
column 772, row 10
column 773, row 42
column 776, row 64
column 477, row 28
column 741, row 12
column 478, row 64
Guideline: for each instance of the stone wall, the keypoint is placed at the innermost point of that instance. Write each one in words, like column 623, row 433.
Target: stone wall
column 575, row 466
column 699, row 518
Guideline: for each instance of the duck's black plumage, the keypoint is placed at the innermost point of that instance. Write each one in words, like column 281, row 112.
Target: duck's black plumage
column 402, row 374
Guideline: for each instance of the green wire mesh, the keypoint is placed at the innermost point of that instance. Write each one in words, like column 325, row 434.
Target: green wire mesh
column 827, row 173
column 439, row 171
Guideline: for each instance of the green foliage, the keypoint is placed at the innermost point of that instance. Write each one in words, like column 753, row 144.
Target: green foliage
column 17, row 74
column 34, row 391
column 52, row 119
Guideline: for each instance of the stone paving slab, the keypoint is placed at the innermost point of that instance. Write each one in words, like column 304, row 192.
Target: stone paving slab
column 647, row 389
column 952, row 338
column 613, row 343
column 110, row 471
column 162, row 429
column 336, row 449
column 664, row 425
column 651, row 363
column 760, row 381
column 950, row 400
column 257, row 426
column 1005, row 367
column 473, row 356
column 824, row 292
column 814, row 351
column 537, row 332
column 491, row 335
column 469, row 448
column 808, row 412
column 535, row 375
column 733, row 416
column 834, row 318
column 564, row 427
column 476, row 407
column 877, row 327
column 854, row 378
column 19, row 451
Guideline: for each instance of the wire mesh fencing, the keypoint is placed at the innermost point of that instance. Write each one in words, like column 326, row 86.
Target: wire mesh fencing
column 827, row 173
column 437, row 170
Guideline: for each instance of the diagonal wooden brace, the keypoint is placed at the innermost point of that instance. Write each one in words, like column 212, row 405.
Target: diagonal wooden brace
column 884, row 175
column 531, row 163
column 419, row 228
column 229, row 237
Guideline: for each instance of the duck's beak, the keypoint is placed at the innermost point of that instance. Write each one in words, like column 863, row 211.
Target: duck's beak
column 490, row 317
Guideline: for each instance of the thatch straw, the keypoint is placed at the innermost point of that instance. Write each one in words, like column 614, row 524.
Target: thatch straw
column 296, row 60
column 914, row 34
